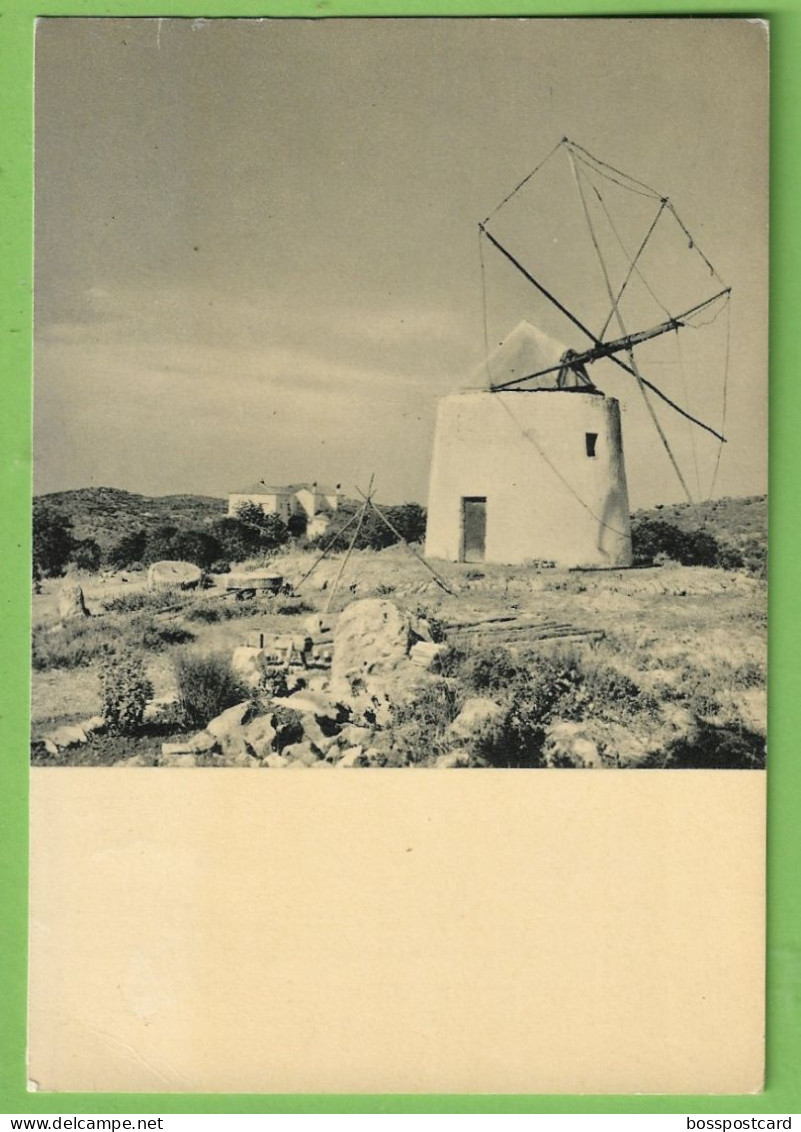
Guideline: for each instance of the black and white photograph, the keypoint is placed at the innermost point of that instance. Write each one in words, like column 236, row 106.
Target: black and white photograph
column 400, row 394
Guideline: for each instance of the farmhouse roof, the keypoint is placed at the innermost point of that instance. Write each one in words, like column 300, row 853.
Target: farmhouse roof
column 263, row 489
column 286, row 489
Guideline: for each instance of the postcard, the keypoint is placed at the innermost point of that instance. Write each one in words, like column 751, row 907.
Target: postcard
column 400, row 392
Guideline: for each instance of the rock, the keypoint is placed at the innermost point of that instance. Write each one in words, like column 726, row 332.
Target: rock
column 567, row 744
column 161, row 710
column 322, row 764
column 249, row 665
column 351, row 735
column 70, row 601
column 371, row 642
column 317, row 625
column 276, row 761
column 93, row 726
column 260, row 735
column 178, row 760
column 169, row 750
column 425, row 654
column 239, row 755
column 63, row 738
column 232, row 720
column 753, row 707
column 301, row 753
column 173, row 573
column 315, row 734
column 453, row 759
column 203, row 742
column 354, row 756
column 477, row 716
column 134, row 760
column 314, row 703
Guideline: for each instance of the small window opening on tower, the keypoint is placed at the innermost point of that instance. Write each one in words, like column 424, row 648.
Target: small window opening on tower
column 590, row 439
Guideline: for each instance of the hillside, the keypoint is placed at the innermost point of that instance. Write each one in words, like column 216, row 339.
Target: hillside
column 730, row 520
column 107, row 514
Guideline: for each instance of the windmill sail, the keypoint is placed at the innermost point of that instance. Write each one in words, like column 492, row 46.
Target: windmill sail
column 619, row 272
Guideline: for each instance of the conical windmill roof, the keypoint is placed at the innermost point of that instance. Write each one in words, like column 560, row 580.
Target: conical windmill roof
column 526, row 350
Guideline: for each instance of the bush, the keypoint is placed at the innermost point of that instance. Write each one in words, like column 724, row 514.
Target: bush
column 716, row 748
column 87, row 555
column 653, row 540
column 207, row 686
column 154, row 601
column 124, row 690
column 128, row 551
column 75, row 645
column 489, row 669
column 420, row 727
column 53, row 541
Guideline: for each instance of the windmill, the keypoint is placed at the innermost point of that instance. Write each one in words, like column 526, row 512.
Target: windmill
column 528, row 462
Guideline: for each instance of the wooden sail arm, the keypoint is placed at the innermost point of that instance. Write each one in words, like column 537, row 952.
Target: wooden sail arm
column 596, row 341
column 618, row 345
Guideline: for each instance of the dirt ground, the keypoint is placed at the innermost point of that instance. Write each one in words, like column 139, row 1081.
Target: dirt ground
column 660, row 624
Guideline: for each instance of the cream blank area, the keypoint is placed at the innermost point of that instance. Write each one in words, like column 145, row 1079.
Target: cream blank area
column 525, row 932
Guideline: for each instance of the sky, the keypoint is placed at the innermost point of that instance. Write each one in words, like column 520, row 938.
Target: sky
column 257, row 253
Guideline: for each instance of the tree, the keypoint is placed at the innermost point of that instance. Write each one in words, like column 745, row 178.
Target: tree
column 130, row 549
column 53, row 541
column 87, row 555
column 271, row 530
column 410, row 519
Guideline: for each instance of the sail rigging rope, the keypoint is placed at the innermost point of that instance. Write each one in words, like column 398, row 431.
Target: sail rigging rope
column 686, row 397
column 630, row 352
column 605, row 170
column 526, row 179
column 632, row 261
column 484, row 303
column 725, row 398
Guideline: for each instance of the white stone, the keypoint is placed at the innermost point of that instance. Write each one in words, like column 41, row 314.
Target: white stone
column 477, row 714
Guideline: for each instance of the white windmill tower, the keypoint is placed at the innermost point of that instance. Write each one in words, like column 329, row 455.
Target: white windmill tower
column 529, row 466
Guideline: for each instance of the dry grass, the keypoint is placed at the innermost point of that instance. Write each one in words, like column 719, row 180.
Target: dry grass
column 691, row 638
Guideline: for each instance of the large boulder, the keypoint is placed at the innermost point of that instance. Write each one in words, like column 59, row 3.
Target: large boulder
column 71, row 605
column 175, row 574
column 371, row 647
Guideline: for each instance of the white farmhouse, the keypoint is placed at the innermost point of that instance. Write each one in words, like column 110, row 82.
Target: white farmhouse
column 313, row 500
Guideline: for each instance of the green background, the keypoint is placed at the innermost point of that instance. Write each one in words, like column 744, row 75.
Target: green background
column 783, row 1088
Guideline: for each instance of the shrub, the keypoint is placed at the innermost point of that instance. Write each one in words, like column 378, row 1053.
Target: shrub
column 154, row 601
column 420, row 728
column 153, row 636
column 87, row 555
column 53, row 541
column 655, row 540
column 75, row 645
column 207, row 686
column 128, row 551
column 716, row 748
column 291, row 606
column 124, row 690
column 489, row 669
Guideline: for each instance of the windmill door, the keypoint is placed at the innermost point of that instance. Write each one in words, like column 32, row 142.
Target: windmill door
column 474, row 528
